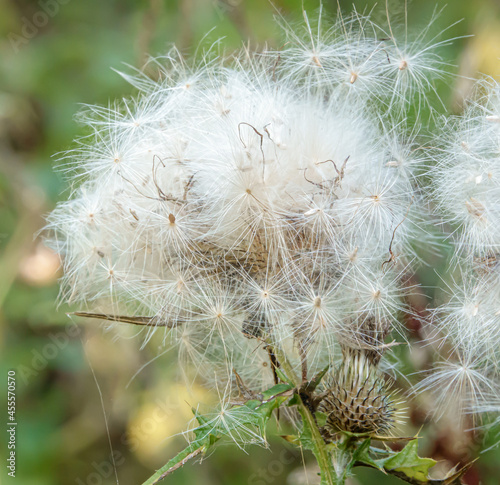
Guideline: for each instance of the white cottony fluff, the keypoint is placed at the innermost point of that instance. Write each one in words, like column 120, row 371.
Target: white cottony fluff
column 255, row 192
column 275, row 198
column 467, row 195
column 467, row 175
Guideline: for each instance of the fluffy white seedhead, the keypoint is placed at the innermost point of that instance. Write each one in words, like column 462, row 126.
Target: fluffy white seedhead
column 263, row 198
column 467, row 197
column 461, row 388
column 357, row 58
column 467, row 175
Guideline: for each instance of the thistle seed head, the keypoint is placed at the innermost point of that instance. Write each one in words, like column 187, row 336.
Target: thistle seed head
column 358, row 399
column 254, row 199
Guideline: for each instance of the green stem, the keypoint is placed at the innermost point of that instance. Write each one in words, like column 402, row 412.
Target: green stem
column 323, row 457
column 327, row 471
column 179, row 461
column 285, row 364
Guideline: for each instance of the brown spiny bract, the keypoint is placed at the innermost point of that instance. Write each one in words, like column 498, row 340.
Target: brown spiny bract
column 358, row 399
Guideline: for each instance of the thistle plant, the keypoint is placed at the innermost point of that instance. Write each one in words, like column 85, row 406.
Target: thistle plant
column 264, row 211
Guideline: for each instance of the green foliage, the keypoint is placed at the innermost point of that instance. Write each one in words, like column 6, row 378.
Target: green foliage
column 349, row 451
column 405, row 464
column 255, row 413
column 204, row 439
column 408, row 462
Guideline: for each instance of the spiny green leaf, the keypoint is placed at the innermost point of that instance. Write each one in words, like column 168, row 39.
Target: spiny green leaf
column 408, row 462
column 294, row 400
column 193, row 450
column 361, row 450
column 253, row 404
column 275, row 391
column 362, row 455
column 253, row 414
column 406, row 465
column 204, row 439
column 282, row 376
column 320, row 418
column 311, row 439
column 310, row 386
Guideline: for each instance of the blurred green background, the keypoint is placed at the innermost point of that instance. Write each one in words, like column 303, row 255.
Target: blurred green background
column 75, row 381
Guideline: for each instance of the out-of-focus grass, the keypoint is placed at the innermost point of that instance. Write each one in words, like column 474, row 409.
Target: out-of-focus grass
column 63, row 370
